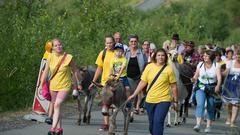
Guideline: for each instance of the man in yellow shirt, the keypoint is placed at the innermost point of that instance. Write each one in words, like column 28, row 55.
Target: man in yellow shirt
column 103, row 63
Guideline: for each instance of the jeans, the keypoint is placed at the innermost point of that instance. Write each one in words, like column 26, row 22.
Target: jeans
column 201, row 98
column 156, row 115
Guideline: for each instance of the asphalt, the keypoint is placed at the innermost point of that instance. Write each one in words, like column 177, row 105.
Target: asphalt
column 138, row 127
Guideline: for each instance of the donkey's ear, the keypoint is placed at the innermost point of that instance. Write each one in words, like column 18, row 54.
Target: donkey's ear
column 98, row 85
column 83, row 68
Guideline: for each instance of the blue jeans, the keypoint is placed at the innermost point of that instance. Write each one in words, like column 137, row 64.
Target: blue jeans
column 156, row 116
column 201, row 98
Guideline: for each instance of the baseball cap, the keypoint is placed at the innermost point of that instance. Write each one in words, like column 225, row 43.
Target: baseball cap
column 118, row 46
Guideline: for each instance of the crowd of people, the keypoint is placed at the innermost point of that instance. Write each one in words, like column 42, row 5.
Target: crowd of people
column 145, row 71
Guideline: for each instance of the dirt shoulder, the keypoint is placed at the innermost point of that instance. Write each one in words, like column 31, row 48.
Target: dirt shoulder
column 14, row 120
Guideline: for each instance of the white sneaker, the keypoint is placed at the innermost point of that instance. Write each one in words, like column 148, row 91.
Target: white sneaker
column 227, row 123
column 207, row 130
column 75, row 94
column 196, row 128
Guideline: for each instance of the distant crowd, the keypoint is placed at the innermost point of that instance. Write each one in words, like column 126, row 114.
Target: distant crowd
column 149, row 74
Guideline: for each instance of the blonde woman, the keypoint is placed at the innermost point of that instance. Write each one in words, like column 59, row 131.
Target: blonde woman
column 60, row 84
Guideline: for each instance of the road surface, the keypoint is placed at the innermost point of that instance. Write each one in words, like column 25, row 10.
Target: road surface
column 138, row 127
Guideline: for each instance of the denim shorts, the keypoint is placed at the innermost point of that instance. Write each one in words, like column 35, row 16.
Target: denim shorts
column 125, row 81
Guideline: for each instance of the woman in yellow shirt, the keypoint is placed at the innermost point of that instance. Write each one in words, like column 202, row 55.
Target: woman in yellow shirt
column 158, row 98
column 60, row 84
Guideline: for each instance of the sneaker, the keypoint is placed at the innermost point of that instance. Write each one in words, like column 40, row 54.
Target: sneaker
column 75, row 94
column 51, row 133
column 227, row 123
column 233, row 126
column 196, row 128
column 59, row 132
column 104, row 128
column 207, row 130
column 49, row 120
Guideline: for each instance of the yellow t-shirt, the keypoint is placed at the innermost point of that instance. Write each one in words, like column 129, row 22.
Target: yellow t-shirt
column 62, row 80
column 116, row 64
column 105, row 64
column 160, row 91
column 45, row 55
column 180, row 59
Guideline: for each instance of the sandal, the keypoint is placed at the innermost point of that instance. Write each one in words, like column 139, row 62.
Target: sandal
column 136, row 111
column 142, row 110
column 104, row 127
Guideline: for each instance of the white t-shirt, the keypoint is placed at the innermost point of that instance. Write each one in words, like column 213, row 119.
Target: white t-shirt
column 207, row 76
column 233, row 70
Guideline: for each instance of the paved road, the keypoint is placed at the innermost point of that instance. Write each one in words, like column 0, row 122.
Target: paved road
column 138, row 127
column 150, row 4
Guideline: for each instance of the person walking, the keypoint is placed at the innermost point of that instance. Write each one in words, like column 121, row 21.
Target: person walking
column 159, row 79
column 231, row 90
column 103, row 68
column 208, row 81
column 146, row 50
column 59, row 64
column 136, row 62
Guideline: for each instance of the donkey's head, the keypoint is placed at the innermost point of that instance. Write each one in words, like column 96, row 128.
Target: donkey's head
column 83, row 71
column 107, row 93
column 110, row 86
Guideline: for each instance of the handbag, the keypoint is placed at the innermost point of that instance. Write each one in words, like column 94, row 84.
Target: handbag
column 154, row 80
column 45, row 87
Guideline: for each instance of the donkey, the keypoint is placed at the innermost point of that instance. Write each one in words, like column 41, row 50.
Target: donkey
column 113, row 94
column 86, row 75
column 184, row 73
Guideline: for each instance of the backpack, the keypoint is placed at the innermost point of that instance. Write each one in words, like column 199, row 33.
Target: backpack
column 104, row 54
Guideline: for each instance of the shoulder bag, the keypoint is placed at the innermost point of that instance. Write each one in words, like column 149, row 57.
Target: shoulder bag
column 150, row 86
column 45, row 88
